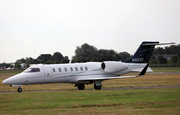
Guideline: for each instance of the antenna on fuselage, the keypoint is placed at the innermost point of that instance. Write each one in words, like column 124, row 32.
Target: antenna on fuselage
column 70, row 61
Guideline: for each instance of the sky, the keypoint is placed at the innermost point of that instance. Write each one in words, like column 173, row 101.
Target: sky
column 29, row 28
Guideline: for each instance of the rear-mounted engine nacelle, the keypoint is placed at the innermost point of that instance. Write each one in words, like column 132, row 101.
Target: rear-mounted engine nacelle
column 113, row 66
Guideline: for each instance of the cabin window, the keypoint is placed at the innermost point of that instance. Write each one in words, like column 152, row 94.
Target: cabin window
column 53, row 69
column 71, row 68
column 65, row 69
column 32, row 70
column 86, row 68
column 76, row 68
column 81, row 68
column 59, row 69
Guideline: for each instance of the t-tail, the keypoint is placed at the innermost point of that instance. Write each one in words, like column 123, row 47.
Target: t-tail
column 144, row 52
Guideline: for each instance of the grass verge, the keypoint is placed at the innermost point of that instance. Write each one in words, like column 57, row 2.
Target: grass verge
column 166, row 69
column 131, row 101
column 10, row 72
column 92, row 102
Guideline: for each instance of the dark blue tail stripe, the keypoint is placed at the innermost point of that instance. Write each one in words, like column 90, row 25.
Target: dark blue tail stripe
column 143, row 53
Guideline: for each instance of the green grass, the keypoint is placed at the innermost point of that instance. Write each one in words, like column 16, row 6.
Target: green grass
column 166, row 69
column 93, row 102
column 10, row 72
column 131, row 101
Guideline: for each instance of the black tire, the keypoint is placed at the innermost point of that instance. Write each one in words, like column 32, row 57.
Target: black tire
column 81, row 87
column 97, row 87
column 19, row 90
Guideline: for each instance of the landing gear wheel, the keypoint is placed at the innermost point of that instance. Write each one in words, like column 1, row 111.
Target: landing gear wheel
column 97, row 87
column 81, row 87
column 19, row 90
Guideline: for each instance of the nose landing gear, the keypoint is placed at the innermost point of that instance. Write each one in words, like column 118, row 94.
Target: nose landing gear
column 19, row 90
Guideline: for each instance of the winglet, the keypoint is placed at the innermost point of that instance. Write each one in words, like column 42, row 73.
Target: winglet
column 143, row 72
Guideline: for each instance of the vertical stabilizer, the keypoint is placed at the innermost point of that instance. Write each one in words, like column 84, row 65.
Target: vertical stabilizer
column 143, row 53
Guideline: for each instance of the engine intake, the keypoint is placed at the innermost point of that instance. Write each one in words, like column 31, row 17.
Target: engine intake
column 113, row 66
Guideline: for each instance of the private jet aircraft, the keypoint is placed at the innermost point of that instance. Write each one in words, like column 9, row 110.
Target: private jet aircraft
column 86, row 73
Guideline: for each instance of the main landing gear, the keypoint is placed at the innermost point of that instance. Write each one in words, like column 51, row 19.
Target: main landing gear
column 82, row 87
column 19, row 90
column 97, row 87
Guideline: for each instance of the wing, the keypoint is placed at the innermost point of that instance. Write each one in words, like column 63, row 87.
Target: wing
column 102, row 78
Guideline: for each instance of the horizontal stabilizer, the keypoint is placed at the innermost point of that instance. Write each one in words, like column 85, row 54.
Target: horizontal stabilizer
column 149, row 69
column 158, row 44
column 144, row 52
column 140, row 69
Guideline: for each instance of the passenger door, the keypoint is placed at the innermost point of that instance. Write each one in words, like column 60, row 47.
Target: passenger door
column 47, row 71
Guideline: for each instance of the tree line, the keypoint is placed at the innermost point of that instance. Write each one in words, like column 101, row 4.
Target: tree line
column 56, row 58
column 173, row 49
column 85, row 53
column 89, row 53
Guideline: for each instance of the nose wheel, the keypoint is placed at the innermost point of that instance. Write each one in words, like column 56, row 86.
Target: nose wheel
column 19, row 90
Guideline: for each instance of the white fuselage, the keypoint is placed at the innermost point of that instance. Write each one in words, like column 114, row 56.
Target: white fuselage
column 75, row 73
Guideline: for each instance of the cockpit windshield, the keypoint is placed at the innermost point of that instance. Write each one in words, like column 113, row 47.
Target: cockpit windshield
column 31, row 70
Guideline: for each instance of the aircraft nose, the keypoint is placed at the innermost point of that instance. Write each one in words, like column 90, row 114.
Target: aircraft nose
column 5, row 81
column 12, row 80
